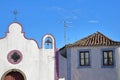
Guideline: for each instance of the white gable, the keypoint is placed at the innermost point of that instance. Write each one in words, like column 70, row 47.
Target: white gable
column 19, row 54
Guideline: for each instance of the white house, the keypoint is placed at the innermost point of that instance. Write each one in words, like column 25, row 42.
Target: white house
column 22, row 59
column 95, row 57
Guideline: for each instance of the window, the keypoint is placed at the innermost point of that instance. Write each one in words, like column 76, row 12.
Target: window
column 14, row 56
column 108, row 58
column 84, row 58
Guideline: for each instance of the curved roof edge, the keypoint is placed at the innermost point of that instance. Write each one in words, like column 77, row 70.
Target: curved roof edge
column 20, row 29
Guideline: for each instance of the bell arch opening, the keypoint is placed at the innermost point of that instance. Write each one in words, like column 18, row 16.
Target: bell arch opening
column 13, row 74
column 48, row 42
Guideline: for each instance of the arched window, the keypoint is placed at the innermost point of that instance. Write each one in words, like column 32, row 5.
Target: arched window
column 48, row 44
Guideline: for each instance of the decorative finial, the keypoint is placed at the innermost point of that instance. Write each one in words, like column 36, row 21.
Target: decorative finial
column 15, row 12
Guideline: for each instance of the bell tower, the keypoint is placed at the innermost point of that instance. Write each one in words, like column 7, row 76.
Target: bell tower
column 48, row 48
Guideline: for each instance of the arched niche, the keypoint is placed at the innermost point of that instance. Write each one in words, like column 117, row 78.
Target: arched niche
column 48, row 42
column 13, row 74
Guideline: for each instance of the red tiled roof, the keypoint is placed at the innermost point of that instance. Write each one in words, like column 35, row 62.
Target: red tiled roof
column 96, row 39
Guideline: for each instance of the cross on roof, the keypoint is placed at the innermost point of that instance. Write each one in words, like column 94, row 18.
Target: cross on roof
column 15, row 12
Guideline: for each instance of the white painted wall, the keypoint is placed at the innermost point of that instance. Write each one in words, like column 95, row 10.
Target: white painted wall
column 37, row 64
column 118, row 62
column 47, row 61
column 62, row 79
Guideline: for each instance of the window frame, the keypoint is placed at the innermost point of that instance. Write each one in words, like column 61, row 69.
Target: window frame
column 114, row 57
column 108, row 58
column 86, row 63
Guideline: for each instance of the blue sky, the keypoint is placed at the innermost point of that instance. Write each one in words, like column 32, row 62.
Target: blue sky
column 83, row 17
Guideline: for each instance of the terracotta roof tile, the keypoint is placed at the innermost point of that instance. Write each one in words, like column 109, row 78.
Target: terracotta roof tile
column 96, row 39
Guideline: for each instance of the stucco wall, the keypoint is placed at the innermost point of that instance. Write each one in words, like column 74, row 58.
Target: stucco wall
column 29, row 49
column 118, row 62
column 62, row 62
column 95, row 71
column 36, row 64
column 47, row 64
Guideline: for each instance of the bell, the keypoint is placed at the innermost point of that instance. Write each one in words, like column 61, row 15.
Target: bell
column 48, row 41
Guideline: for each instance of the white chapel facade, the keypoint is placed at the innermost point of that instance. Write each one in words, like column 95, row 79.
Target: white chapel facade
column 21, row 58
